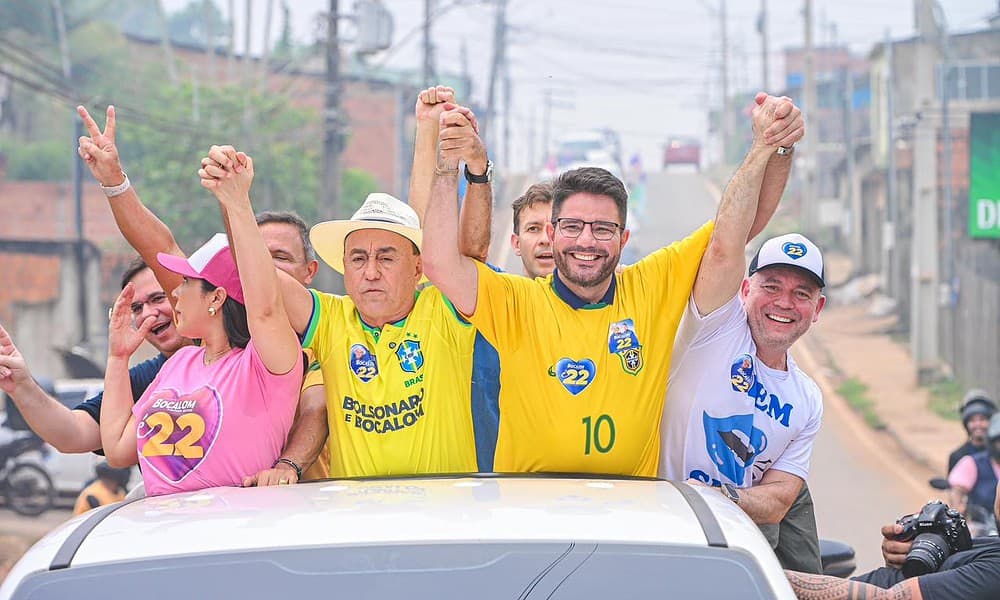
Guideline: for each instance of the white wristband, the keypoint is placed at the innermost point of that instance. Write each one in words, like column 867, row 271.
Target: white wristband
column 117, row 190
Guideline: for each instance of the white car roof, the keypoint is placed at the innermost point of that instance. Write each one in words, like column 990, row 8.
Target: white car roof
column 404, row 511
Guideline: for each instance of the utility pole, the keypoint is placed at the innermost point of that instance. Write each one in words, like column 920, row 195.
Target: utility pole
column 810, row 201
column 948, row 285
column 507, row 93
column 924, row 246
column 81, row 259
column 889, row 253
column 231, row 49
column 332, row 121
column 726, row 127
column 168, row 53
column 208, row 11
column 265, row 55
column 499, row 52
column 546, row 123
column 762, row 30
column 853, row 200
column 247, row 34
column 428, row 48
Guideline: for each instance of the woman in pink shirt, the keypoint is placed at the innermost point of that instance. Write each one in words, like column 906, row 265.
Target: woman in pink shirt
column 221, row 410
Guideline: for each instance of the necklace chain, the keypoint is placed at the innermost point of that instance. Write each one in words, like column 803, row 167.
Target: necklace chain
column 211, row 359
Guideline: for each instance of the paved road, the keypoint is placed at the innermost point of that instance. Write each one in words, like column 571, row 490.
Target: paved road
column 856, row 484
column 30, row 529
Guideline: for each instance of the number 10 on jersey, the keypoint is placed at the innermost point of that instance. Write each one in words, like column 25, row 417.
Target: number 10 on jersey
column 600, row 434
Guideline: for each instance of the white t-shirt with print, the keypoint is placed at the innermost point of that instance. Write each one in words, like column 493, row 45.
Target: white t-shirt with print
column 728, row 418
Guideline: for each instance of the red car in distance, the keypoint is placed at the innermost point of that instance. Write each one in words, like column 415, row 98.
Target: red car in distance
column 682, row 151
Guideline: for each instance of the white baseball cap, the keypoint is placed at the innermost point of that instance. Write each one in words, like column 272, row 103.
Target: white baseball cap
column 380, row 211
column 792, row 249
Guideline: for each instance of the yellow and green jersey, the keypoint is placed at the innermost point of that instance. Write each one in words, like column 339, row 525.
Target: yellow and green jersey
column 582, row 385
column 320, row 469
column 398, row 398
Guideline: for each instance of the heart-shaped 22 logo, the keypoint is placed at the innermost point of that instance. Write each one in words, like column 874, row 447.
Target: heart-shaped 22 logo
column 178, row 430
column 794, row 250
column 575, row 375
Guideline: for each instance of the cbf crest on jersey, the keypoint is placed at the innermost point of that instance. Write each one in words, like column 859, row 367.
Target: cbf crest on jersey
column 623, row 341
column 363, row 363
column 741, row 374
column 411, row 357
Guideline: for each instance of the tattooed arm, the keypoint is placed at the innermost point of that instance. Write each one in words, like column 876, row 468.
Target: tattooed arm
column 824, row 587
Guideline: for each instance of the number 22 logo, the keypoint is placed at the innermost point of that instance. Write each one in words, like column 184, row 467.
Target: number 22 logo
column 157, row 444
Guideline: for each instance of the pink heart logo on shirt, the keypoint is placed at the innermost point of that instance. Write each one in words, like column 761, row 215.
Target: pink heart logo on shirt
column 177, row 431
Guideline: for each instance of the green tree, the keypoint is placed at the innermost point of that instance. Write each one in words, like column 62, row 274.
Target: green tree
column 284, row 49
column 188, row 25
column 355, row 187
column 161, row 145
column 38, row 161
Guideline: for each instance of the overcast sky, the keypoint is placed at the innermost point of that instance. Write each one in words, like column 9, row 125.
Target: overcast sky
column 647, row 68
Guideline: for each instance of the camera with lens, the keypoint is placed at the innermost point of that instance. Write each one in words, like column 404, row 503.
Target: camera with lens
column 937, row 532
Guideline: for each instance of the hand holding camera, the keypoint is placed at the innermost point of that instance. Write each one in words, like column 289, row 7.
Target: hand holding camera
column 936, row 533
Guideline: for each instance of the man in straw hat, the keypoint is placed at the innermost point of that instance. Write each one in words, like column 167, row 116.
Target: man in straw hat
column 397, row 361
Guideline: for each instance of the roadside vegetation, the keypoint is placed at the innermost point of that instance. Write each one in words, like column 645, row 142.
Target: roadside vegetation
column 856, row 394
column 945, row 397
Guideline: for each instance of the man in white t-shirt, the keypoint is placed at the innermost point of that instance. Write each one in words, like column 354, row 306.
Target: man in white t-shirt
column 739, row 413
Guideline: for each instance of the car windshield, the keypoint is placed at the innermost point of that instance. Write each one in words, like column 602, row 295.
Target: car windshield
column 577, row 150
column 577, row 571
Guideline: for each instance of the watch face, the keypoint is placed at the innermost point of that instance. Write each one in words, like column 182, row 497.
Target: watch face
column 730, row 491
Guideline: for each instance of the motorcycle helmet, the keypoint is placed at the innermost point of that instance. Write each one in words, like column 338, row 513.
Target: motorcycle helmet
column 993, row 433
column 976, row 402
column 120, row 476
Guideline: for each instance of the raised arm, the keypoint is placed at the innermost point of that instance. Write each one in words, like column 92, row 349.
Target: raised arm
column 68, row 430
column 476, row 219
column 267, row 320
column 786, row 131
column 430, row 105
column 297, row 299
column 454, row 274
column 724, row 263
column 143, row 230
column 118, row 428
column 477, row 209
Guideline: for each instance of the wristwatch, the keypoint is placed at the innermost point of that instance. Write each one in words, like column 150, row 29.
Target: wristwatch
column 785, row 150
column 486, row 177
column 729, row 491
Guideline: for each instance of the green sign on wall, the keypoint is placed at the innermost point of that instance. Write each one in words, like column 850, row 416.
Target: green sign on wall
column 984, row 175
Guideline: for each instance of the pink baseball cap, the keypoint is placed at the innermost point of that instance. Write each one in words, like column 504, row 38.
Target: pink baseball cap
column 213, row 262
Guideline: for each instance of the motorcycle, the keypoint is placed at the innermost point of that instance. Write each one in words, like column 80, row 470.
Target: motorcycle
column 982, row 522
column 26, row 488
column 837, row 558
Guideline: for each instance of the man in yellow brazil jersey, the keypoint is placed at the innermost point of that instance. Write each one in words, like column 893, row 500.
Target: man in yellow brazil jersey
column 585, row 353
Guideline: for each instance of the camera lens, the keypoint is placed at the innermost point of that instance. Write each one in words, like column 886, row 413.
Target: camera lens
column 926, row 556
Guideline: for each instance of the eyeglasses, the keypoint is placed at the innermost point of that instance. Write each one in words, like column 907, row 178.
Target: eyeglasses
column 154, row 301
column 601, row 230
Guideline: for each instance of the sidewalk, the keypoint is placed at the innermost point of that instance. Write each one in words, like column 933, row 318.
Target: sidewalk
column 850, row 343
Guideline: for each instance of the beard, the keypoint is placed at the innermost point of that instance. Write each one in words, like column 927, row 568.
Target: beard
column 588, row 278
